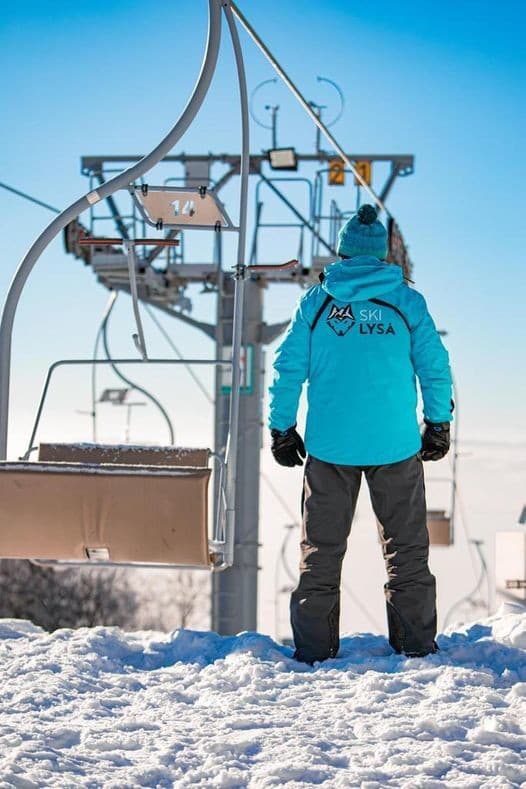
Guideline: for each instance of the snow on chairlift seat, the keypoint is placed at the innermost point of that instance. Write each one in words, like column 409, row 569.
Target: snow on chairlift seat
column 109, row 503
column 127, row 454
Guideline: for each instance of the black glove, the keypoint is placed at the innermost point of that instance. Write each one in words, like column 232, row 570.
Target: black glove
column 287, row 447
column 435, row 440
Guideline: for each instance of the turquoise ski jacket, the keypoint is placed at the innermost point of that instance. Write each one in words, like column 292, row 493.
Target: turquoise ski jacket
column 360, row 339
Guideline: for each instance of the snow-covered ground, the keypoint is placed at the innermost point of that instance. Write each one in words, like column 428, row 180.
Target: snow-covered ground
column 102, row 707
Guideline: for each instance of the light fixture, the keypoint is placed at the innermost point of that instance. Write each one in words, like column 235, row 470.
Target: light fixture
column 283, row 158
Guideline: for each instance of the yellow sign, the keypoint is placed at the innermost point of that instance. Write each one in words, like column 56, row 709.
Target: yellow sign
column 336, row 172
column 365, row 169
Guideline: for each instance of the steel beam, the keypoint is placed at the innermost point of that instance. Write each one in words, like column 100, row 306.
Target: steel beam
column 91, row 164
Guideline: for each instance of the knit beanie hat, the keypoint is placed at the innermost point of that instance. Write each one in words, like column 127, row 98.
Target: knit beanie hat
column 363, row 235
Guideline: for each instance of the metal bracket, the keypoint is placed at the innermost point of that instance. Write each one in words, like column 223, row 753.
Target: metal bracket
column 138, row 337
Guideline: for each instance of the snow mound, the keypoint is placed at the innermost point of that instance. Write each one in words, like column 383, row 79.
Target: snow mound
column 100, row 707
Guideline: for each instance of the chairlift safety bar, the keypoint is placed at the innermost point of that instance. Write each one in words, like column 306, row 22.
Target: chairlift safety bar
column 91, row 362
column 92, row 241
column 138, row 337
column 273, row 266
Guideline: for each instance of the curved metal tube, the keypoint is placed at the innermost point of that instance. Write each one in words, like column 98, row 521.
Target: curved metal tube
column 239, row 293
column 128, row 381
column 110, row 362
column 138, row 337
column 83, row 203
column 195, row 378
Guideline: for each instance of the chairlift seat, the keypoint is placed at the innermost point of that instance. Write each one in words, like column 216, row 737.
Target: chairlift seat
column 439, row 527
column 119, row 512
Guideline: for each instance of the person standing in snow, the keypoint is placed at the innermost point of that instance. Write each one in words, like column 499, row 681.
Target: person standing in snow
column 360, row 338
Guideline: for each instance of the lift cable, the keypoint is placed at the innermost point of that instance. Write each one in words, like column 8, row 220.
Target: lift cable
column 467, row 531
column 471, row 596
column 129, row 382
column 465, row 525
column 478, row 562
column 358, row 603
column 277, row 495
column 178, row 353
column 29, row 197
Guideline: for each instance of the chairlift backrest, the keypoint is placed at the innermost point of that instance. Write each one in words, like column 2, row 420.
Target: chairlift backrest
column 127, row 454
column 116, row 513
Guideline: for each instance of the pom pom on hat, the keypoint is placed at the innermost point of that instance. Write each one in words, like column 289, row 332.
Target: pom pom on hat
column 364, row 234
column 367, row 214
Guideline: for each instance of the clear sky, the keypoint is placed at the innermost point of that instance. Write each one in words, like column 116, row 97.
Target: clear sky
column 442, row 81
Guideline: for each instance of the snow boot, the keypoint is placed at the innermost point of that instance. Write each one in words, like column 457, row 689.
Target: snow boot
column 423, row 652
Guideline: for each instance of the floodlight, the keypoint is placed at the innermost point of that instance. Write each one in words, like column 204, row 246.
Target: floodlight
column 283, row 159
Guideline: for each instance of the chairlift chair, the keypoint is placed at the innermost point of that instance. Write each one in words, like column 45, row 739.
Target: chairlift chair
column 439, row 527
column 130, row 505
column 114, row 505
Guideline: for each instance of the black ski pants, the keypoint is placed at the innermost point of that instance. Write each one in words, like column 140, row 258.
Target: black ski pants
column 329, row 500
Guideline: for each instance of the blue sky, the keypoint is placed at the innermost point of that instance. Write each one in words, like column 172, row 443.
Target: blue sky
column 442, row 81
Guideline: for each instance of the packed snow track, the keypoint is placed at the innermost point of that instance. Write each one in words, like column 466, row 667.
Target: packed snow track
column 102, row 707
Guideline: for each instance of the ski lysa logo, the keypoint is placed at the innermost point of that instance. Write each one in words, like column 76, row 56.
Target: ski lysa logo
column 342, row 320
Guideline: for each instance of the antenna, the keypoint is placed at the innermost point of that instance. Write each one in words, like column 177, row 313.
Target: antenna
column 318, row 108
column 272, row 108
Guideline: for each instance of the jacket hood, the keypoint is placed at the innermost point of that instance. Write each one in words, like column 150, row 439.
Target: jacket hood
column 360, row 278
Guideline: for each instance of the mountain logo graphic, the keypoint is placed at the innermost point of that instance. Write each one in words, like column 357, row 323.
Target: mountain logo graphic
column 341, row 319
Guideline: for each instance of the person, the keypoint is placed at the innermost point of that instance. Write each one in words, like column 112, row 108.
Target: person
column 360, row 339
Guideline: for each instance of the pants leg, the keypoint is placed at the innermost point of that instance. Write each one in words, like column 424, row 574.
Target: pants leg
column 329, row 500
column 398, row 498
